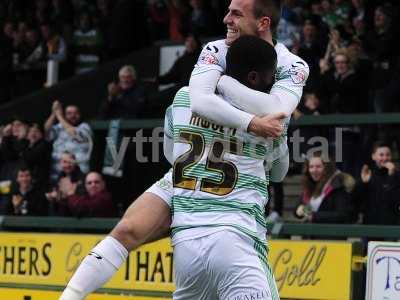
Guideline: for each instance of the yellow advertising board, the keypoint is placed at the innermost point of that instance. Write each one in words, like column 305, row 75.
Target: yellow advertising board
column 17, row 294
column 303, row 269
column 312, row 269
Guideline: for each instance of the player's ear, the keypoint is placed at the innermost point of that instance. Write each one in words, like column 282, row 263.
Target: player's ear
column 264, row 24
column 253, row 78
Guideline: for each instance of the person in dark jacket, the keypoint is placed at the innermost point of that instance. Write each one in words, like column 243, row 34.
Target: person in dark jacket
column 13, row 143
column 326, row 194
column 37, row 155
column 126, row 99
column 180, row 72
column 96, row 202
column 378, row 191
column 27, row 199
column 341, row 89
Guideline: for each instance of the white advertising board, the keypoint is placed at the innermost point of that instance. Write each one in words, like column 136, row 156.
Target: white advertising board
column 168, row 55
column 383, row 271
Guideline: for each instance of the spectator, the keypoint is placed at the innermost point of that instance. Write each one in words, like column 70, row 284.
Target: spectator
column 96, row 202
column 70, row 134
column 180, row 72
column 202, row 20
column 357, row 16
column 381, row 46
column 288, row 30
column 103, row 21
column 341, row 88
column 342, row 11
column 27, row 199
column 336, row 42
column 310, row 105
column 362, row 64
column 87, row 45
column 32, row 51
column 326, row 193
column 37, row 156
column 310, row 48
column 328, row 15
column 126, row 99
column 56, row 48
column 178, row 22
column 12, row 146
column 31, row 65
column 70, row 175
column 342, row 91
column 378, row 192
column 158, row 12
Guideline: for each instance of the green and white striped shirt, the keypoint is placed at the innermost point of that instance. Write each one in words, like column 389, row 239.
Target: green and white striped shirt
column 218, row 175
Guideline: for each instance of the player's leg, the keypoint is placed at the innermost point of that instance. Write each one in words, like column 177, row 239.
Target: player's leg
column 241, row 268
column 147, row 219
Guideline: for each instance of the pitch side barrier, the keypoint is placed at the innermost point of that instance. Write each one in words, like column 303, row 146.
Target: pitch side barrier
column 329, row 119
column 39, row 254
column 277, row 230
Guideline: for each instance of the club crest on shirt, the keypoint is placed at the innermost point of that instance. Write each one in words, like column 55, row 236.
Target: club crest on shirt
column 297, row 75
column 208, row 59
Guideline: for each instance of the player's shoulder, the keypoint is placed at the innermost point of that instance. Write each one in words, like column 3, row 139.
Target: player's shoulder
column 288, row 60
column 216, row 46
column 290, row 66
column 212, row 56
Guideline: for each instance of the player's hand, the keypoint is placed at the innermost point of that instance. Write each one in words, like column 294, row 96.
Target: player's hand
column 391, row 167
column 267, row 126
column 365, row 174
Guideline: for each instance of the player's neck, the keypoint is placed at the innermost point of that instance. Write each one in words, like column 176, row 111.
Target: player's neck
column 267, row 36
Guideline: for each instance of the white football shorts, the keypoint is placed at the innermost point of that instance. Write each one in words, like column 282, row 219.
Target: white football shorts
column 163, row 188
column 226, row 265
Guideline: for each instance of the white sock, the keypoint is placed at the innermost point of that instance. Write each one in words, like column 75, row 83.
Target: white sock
column 96, row 269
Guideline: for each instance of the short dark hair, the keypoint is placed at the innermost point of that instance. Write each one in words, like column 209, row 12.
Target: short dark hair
column 24, row 168
column 249, row 53
column 379, row 144
column 270, row 8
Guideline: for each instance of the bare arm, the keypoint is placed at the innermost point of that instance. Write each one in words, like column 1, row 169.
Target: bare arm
column 49, row 123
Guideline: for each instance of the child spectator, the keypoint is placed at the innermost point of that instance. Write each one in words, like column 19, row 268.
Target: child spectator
column 378, row 191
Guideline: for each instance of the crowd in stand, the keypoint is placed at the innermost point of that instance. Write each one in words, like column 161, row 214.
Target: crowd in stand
column 45, row 171
column 350, row 46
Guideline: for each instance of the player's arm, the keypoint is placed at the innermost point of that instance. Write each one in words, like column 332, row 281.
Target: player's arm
column 168, row 145
column 277, row 168
column 207, row 104
column 284, row 96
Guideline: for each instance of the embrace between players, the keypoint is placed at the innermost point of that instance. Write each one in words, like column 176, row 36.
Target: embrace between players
column 217, row 188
